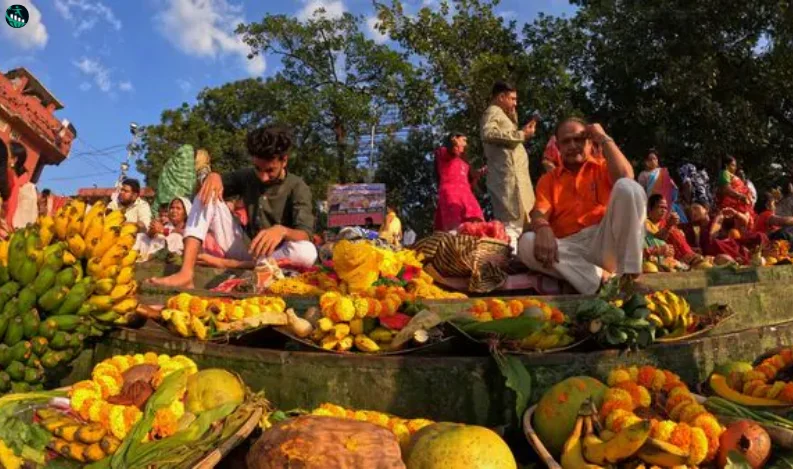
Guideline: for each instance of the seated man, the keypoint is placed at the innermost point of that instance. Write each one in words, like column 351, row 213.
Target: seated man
column 279, row 205
column 771, row 224
column 589, row 214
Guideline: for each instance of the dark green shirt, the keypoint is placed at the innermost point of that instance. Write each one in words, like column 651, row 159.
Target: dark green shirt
column 286, row 202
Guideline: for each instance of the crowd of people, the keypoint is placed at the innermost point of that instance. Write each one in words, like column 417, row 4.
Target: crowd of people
column 588, row 218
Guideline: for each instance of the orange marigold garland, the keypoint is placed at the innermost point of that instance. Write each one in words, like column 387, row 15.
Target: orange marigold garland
column 760, row 380
column 689, row 426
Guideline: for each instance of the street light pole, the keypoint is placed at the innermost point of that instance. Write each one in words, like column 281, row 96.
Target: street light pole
column 135, row 130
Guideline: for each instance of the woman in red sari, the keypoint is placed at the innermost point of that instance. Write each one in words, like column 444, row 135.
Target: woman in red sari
column 706, row 235
column 663, row 225
column 732, row 192
column 456, row 201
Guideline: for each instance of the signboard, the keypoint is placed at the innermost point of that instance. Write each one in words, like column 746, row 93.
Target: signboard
column 352, row 204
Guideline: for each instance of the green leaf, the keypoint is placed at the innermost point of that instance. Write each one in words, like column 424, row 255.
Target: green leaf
column 509, row 328
column 517, row 378
column 736, row 460
column 591, row 309
column 613, row 315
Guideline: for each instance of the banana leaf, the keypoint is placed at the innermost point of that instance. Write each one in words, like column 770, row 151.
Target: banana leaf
column 517, row 378
column 509, row 328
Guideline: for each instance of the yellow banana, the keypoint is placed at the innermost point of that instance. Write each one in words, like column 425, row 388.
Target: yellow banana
column 548, row 341
column 93, row 234
column 532, row 340
column 179, row 320
column 76, row 245
column 122, row 291
column 129, row 229
column 572, row 452
column 46, row 230
column 624, row 444
column 125, row 275
column 365, row 344
column 114, row 219
column 101, row 302
column 659, row 453
column 666, row 316
column 110, row 272
column 126, row 241
column 61, row 224
column 655, row 320
column 127, row 305
column 104, row 286
column 75, row 222
column 109, row 237
column 96, row 212
column 130, row 258
column 4, row 252
column 113, row 256
column 68, row 258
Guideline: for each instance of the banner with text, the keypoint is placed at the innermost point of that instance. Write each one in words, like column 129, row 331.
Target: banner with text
column 352, row 204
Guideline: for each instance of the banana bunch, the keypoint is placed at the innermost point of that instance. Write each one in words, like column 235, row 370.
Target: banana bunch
column 549, row 337
column 185, row 324
column 670, row 313
column 343, row 336
column 586, row 450
column 80, row 442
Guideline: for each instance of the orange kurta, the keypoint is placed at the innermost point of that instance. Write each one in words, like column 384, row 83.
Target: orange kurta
column 572, row 202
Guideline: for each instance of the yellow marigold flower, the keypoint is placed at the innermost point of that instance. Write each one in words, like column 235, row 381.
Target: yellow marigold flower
column 663, row 431
column 104, row 415
column 139, row 359
column 378, row 418
column 634, row 372
column 94, row 411
column 103, row 369
column 185, row 362
column 681, row 436
column 165, row 423
column 658, row 380
column 478, row 306
column 180, row 302
column 709, row 424
column 335, row 410
column 163, row 359
column 109, row 386
column 402, row 433
column 322, row 412
column 360, row 415
column 417, row 424
column 698, row 449
column 117, row 425
column 613, row 416
column 361, row 307
column 81, row 395
column 617, row 376
column 150, row 358
column 625, row 422
column 344, row 310
column 85, row 407
column 390, row 265
column 690, row 412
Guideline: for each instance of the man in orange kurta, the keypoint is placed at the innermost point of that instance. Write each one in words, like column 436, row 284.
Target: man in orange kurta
column 589, row 212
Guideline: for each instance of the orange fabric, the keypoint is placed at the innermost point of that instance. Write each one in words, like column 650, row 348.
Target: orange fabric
column 572, row 202
column 762, row 223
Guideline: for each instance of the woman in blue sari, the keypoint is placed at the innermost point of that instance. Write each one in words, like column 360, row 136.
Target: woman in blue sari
column 656, row 180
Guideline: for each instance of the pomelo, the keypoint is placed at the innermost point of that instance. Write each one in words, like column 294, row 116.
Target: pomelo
column 456, row 446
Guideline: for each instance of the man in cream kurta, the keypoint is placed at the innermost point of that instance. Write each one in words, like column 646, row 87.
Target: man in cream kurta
column 508, row 181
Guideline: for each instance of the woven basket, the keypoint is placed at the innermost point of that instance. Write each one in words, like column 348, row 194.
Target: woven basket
column 483, row 260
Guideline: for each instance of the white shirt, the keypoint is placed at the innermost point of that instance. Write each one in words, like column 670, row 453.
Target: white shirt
column 138, row 212
column 409, row 237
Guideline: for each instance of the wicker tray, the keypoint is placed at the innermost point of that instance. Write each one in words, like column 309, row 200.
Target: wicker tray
column 484, row 343
column 216, row 455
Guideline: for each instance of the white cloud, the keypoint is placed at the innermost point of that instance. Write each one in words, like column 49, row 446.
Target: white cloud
column 86, row 14
column 95, row 70
column 205, row 28
column 85, row 86
column 31, row 36
column 126, row 86
column 374, row 33
column 333, row 9
column 184, row 85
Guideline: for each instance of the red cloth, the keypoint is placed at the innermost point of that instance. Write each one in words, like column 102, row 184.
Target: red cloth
column 456, row 201
column 677, row 240
column 740, row 206
column 552, row 152
column 762, row 225
column 737, row 249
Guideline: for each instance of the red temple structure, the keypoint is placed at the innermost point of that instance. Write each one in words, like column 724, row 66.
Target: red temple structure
column 28, row 125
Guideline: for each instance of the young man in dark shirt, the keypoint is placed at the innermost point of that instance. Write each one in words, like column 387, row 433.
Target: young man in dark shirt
column 279, row 209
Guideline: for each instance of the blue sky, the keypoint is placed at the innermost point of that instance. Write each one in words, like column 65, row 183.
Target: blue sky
column 116, row 62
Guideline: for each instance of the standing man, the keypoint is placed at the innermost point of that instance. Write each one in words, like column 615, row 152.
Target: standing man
column 136, row 210
column 278, row 203
column 589, row 215
column 508, row 181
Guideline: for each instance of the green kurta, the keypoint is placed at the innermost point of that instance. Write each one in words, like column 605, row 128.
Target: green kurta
column 508, row 181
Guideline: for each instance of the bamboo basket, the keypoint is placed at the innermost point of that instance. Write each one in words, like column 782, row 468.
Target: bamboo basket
column 225, row 447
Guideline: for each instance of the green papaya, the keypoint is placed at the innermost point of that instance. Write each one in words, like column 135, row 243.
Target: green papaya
column 48, row 328
column 26, row 300
column 53, row 298
column 39, row 345
column 5, row 355
column 75, row 298
column 44, row 280
column 20, row 387
column 4, row 321
column 52, row 359
column 26, row 273
column 67, row 323
column 10, row 288
column 16, row 370
column 5, row 382
column 4, row 275
column 33, row 375
column 15, row 332
column 66, row 277
column 61, row 340
column 30, row 323
column 21, row 351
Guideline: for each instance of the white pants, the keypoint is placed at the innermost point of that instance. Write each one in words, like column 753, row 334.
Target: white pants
column 217, row 219
column 513, row 229
column 615, row 244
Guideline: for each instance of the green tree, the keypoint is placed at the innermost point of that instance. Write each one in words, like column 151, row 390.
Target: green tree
column 348, row 79
column 407, row 169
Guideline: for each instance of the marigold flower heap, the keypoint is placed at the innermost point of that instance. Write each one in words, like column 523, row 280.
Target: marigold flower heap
column 760, row 381
column 494, row 308
column 89, row 398
column 689, row 426
column 403, row 429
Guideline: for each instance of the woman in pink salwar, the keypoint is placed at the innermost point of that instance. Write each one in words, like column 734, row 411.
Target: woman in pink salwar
column 456, row 200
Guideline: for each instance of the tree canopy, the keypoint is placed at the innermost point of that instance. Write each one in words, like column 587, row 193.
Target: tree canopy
column 696, row 80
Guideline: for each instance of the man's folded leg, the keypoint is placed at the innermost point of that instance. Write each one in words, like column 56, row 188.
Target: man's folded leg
column 584, row 276
column 300, row 253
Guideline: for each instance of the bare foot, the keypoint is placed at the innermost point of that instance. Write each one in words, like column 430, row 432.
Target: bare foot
column 177, row 280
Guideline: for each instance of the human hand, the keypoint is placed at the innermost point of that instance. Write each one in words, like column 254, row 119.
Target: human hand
column 212, row 189
column 596, row 133
column 156, row 228
column 529, row 130
column 546, row 250
column 267, row 241
column 728, row 212
column 669, row 250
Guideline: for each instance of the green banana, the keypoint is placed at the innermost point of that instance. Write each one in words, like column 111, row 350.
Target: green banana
column 15, row 332
column 26, row 273
column 86, row 309
column 5, row 382
column 53, row 298
column 67, row 323
column 67, row 277
column 4, row 321
column 39, row 345
column 48, row 328
column 10, row 308
column 4, row 275
column 21, row 351
column 16, row 251
column 30, row 323
column 26, row 300
column 51, row 359
column 61, row 341
column 5, row 355
column 44, row 280
column 16, row 370
column 76, row 297
column 10, row 288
